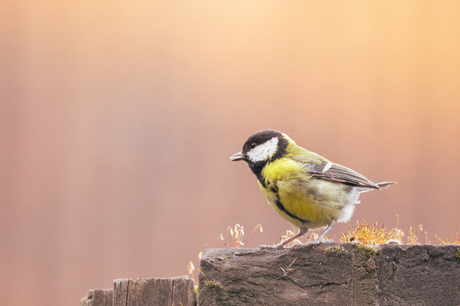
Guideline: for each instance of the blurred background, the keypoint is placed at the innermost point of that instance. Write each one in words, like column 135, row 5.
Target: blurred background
column 118, row 118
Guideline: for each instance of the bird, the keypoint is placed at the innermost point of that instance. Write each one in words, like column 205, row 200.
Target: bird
column 304, row 188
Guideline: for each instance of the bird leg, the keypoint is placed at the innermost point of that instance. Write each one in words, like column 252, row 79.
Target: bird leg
column 301, row 232
column 320, row 238
column 281, row 245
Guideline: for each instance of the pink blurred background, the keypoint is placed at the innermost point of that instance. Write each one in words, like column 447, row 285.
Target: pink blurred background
column 118, row 118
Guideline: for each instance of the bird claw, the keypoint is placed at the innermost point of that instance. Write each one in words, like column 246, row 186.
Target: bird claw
column 273, row 247
column 318, row 242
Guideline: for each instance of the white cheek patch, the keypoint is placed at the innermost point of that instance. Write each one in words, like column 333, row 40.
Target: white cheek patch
column 264, row 151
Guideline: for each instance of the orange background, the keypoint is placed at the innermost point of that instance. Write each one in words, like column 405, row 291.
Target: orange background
column 118, row 118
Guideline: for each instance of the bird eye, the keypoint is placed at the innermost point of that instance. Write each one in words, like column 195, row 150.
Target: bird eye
column 253, row 145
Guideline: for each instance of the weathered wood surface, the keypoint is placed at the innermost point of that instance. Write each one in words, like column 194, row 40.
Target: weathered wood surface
column 291, row 276
column 319, row 275
column 419, row 275
column 326, row 274
column 178, row 291
column 98, row 297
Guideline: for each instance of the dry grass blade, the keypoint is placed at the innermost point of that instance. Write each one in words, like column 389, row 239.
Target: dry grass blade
column 258, row 226
column 237, row 235
column 414, row 238
column 372, row 234
column 288, row 235
column 447, row 240
column 221, row 238
column 191, row 270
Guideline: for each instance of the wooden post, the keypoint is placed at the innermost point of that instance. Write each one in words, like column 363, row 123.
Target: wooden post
column 98, row 297
column 178, row 291
column 331, row 274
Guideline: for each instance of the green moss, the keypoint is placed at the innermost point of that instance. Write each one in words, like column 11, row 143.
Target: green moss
column 337, row 250
column 213, row 285
column 458, row 255
column 366, row 251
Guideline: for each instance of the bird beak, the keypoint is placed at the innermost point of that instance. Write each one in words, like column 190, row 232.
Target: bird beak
column 237, row 156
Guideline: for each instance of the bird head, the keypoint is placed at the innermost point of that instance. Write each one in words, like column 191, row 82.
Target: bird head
column 262, row 147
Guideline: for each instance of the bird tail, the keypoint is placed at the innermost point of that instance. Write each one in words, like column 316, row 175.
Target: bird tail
column 383, row 185
column 380, row 185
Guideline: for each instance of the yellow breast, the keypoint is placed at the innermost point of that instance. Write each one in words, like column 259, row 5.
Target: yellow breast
column 299, row 199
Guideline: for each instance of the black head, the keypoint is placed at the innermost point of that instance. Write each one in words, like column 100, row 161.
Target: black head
column 262, row 147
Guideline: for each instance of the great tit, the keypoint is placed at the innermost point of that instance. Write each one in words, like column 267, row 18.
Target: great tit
column 303, row 187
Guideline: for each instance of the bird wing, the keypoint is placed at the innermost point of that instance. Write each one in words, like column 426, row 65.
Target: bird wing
column 326, row 170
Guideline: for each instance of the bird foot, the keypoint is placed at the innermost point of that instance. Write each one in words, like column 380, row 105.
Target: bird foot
column 318, row 242
column 278, row 246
